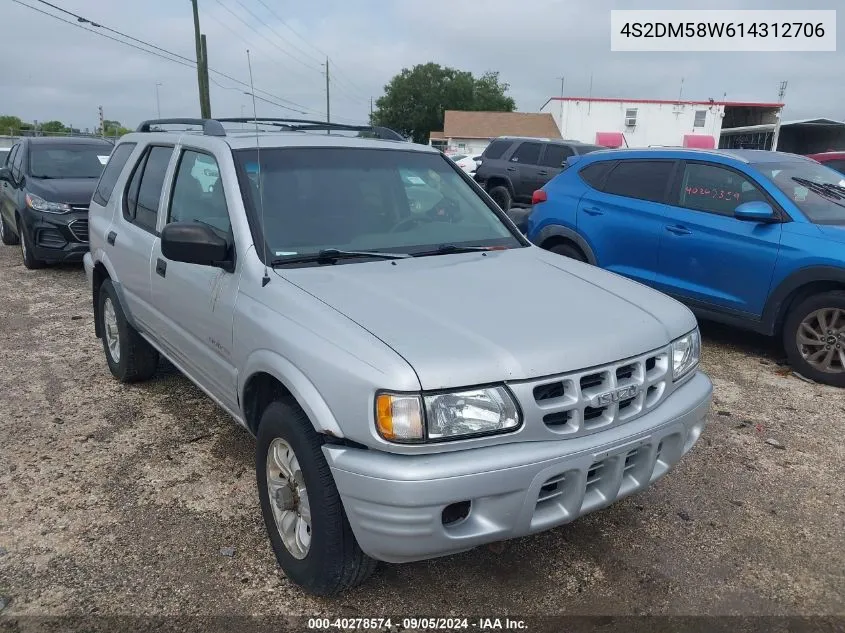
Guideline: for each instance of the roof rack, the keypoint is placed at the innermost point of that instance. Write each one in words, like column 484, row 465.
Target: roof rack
column 214, row 127
column 210, row 127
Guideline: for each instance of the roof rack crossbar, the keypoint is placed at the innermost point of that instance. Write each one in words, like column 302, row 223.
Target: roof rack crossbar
column 380, row 132
column 210, row 127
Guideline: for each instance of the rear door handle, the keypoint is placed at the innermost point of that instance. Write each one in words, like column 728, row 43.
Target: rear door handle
column 161, row 267
column 511, row 168
column 111, row 237
column 593, row 211
column 542, row 173
column 679, row 230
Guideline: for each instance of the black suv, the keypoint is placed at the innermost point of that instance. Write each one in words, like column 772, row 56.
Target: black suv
column 46, row 186
column 513, row 168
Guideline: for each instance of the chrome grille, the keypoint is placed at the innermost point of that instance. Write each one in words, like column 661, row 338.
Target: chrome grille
column 584, row 402
column 79, row 229
column 79, row 207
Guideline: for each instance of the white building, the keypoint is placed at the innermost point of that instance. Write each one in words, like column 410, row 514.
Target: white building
column 469, row 133
column 652, row 122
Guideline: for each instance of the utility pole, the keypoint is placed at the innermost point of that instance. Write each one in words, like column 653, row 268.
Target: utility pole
column 779, row 115
column 202, row 72
column 328, row 95
column 371, row 110
column 102, row 122
column 206, row 88
column 158, row 101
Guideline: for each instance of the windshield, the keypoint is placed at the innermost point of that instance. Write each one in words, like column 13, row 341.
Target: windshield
column 365, row 200
column 68, row 161
column 796, row 180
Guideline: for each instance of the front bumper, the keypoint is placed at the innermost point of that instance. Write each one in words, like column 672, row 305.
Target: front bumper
column 56, row 237
column 395, row 503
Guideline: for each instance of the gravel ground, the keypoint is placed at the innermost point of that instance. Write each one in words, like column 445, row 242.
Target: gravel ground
column 124, row 499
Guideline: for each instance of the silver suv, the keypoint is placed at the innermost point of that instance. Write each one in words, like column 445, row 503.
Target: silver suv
column 420, row 379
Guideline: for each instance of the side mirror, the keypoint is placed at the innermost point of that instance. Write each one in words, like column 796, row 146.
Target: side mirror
column 755, row 211
column 195, row 243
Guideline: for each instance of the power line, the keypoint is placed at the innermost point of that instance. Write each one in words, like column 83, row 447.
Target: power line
column 180, row 59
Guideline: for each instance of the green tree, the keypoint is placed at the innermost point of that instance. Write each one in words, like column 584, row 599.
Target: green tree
column 114, row 128
column 10, row 125
column 53, row 127
column 415, row 100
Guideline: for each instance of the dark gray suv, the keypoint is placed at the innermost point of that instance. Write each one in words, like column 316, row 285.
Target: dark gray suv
column 513, row 168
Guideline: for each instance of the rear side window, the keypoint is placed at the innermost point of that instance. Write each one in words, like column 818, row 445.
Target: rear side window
column 496, row 149
column 595, row 174
column 144, row 191
column 108, row 179
column 586, row 149
column 527, row 154
column 642, row 179
column 555, row 155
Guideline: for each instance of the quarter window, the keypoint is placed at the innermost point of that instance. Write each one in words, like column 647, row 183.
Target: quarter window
column 115, row 165
column 642, row 179
column 527, row 154
column 496, row 149
column 594, row 174
column 715, row 189
column 197, row 194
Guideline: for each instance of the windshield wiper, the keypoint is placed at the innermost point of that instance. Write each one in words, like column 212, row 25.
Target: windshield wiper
column 822, row 188
column 330, row 255
column 448, row 249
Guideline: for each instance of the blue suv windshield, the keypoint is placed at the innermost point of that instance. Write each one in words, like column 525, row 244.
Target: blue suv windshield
column 389, row 201
column 818, row 191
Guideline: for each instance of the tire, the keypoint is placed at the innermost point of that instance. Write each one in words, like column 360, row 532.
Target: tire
column 6, row 235
column 333, row 562
column 831, row 340
column 570, row 251
column 133, row 359
column 502, row 196
column 30, row 261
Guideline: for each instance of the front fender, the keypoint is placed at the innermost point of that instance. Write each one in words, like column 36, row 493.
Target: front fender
column 299, row 385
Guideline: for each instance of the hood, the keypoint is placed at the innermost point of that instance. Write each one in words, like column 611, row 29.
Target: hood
column 835, row 232
column 470, row 319
column 78, row 191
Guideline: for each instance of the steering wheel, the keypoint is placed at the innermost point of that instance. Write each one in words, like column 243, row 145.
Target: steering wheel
column 446, row 210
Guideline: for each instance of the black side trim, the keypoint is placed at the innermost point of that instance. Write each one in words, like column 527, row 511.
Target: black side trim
column 556, row 230
column 780, row 298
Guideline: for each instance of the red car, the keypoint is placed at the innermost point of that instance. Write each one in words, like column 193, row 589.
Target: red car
column 834, row 160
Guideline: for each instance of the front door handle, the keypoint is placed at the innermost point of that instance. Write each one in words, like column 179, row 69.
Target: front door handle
column 511, row 168
column 679, row 230
column 111, row 237
column 161, row 267
column 593, row 211
column 542, row 173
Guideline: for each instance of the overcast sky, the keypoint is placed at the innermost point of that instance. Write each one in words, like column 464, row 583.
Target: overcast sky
column 53, row 70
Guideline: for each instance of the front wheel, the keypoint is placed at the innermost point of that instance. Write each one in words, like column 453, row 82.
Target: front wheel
column 30, row 261
column 814, row 338
column 302, row 510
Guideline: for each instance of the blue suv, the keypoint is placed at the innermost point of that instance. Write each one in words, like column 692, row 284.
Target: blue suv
column 750, row 238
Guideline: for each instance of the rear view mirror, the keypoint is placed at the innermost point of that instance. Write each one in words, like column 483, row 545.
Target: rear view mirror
column 755, row 211
column 194, row 243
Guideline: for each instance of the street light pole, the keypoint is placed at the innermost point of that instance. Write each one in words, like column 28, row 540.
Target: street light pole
column 158, row 101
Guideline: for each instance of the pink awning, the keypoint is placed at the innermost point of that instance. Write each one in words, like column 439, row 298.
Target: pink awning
column 699, row 141
column 610, row 139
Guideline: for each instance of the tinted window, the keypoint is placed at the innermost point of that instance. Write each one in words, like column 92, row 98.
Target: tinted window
column 586, row 149
column 641, row 179
column 4, row 156
column 144, row 190
column 196, row 198
column 397, row 201
column 555, row 155
column 112, row 171
column 496, row 149
column 67, row 161
column 594, row 174
column 9, row 159
column 527, row 154
column 716, row 189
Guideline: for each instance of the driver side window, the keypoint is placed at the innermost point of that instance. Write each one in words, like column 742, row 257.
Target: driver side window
column 197, row 193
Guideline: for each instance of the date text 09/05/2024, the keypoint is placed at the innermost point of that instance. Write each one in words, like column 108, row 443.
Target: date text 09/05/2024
column 439, row 624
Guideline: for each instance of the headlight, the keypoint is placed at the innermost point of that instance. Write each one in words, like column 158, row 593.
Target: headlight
column 40, row 204
column 686, row 352
column 454, row 415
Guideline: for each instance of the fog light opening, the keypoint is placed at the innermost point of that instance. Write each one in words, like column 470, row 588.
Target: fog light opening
column 455, row 513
